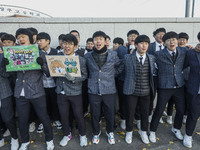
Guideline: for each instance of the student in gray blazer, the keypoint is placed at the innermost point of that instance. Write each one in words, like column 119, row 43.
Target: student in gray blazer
column 43, row 41
column 170, row 63
column 193, row 87
column 29, row 91
column 157, row 45
column 102, row 66
column 138, row 86
column 69, row 93
column 6, row 107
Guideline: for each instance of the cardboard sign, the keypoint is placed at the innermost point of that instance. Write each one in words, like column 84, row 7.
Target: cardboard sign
column 21, row 57
column 59, row 65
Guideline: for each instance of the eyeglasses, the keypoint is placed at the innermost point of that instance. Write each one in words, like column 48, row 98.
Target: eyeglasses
column 133, row 35
column 68, row 44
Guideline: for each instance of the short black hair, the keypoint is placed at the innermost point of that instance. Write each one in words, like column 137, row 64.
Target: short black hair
column 198, row 36
column 142, row 38
column 8, row 37
column 2, row 33
column 108, row 37
column 118, row 40
column 70, row 38
column 34, row 31
column 99, row 33
column 183, row 35
column 89, row 40
column 25, row 31
column 170, row 35
column 132, row 32
column 159, row 30
column 60, row 36
column 74, row 31
column 44, row 35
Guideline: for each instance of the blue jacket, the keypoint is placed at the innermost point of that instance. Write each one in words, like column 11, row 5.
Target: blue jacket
column 168, row 73
column 102, row 81
column 129, row 63
column 193, row 61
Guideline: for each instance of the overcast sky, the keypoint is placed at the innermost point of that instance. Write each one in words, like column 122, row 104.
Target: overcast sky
column 106, row 8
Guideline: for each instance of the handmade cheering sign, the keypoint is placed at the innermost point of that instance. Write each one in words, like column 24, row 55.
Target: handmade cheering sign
column 59, row 65
column 21, row 57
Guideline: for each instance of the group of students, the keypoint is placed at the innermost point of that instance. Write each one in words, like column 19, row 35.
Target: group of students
column 135, row 71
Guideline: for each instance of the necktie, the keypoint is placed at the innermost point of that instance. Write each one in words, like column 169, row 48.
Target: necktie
column 160, row 47
column 173, row 57
column 141, row 59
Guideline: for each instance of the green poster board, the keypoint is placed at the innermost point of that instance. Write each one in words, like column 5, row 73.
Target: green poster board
column 21, row 57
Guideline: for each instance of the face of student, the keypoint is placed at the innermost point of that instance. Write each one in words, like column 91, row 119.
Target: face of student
column 131, row 38
column 158, row 37
column 8, row 43
column 182, row 42
column 107, row 42
column 77, row 36
column 89, row 45
column 99, row 42
column 171, row 44
column 34, row 39
column 23, row 39
column 43, row 44
column 115, row 46
column 142, row 47
column 69, row 48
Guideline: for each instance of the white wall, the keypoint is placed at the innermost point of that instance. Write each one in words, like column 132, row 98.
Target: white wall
column 114, row 27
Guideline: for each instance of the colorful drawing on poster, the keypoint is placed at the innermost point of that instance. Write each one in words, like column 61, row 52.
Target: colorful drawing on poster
column 22, row 57
column 59, row 65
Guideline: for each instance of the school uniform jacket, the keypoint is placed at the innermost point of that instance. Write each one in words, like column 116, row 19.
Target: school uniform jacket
column 5, row 89
column 32, row 82
column 170, row 74
column 129, row 63
column 72, row 89
column 102, row 80
column 193, row 61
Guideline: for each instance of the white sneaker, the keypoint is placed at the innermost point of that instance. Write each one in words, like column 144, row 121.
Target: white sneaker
column 96, row 139
column 169, row 119
column 57, row 124
column 144, row 136
column 111, row 138
column 128, row 137
column 50, row 145
column 40, row 128
column 161, row 120
column 123, row 124
column 184, row 119
column 177, row 133
column 32, row 127
column 24, row 146
column 65, row 140
column 83, row 141
column 187, row 141
column 152, row 137
column 138, row 122
column 2, row 143
column 14, row 144
column 6, row 133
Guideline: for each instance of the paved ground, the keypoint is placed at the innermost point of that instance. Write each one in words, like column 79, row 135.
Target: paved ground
column 165, row 140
